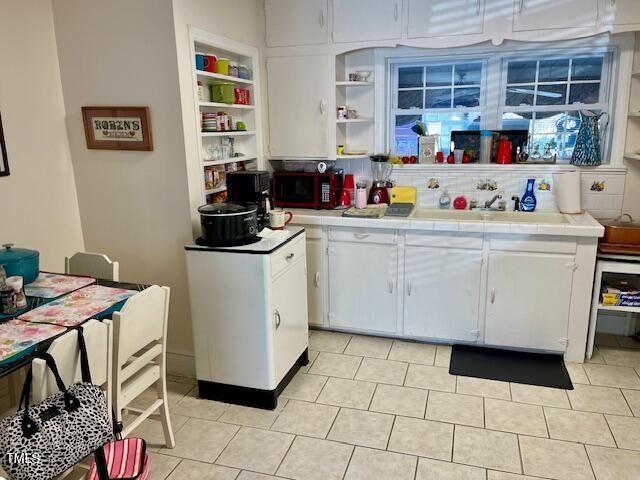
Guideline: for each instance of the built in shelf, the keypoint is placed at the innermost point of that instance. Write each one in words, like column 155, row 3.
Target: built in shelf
column 632, row 156
column 616, row 308
column 211, row 163
column 354, row 84
column 226, row 105
column 226, row 78
column 633, row 114
column 215, row 190
column 349, row 157
column 635, row 73
column 227, row 134
column 356, row 120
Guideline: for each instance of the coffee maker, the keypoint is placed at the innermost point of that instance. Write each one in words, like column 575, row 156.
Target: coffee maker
column 251, row 187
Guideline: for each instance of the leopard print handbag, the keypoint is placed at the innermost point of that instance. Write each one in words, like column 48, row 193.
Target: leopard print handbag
column 41, row 441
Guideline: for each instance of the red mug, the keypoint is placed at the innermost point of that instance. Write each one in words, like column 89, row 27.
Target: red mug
column 210, row 63
column 439, row 157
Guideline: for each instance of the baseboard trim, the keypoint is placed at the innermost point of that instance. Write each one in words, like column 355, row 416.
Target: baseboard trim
column 181, row 364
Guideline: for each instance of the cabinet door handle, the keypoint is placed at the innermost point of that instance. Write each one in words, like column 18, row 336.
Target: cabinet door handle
column 360, row 236
column 322, row 18
column 396, row 11
column 276, row 316
column 289, row 257
column 390, row 286
column 493, row 295
column 521, row 7
column 478, row 8
column 409, row 288
column 323, row 106
column 316, row 280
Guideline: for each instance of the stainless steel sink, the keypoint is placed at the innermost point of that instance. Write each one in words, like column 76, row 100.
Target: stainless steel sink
column 488, row 216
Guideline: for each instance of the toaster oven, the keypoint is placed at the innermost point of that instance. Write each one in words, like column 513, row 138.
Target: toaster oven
column 306, row 189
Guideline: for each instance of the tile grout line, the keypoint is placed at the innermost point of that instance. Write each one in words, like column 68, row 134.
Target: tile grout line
column 606, row 420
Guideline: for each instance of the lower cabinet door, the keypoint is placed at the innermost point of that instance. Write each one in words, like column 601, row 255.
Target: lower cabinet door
column 363, row 286
column 289, row 317
column 528, row 300
column 315, row 291
column 442, row 293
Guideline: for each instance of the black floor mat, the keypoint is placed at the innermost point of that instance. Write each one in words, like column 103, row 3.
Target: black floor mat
column 545, row 370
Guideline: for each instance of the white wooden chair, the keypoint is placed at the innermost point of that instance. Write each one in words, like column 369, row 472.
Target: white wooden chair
column 139, row 357
column 95, row 265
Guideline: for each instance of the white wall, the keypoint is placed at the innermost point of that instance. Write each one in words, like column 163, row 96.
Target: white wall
column 39, row 203
column 134, row 206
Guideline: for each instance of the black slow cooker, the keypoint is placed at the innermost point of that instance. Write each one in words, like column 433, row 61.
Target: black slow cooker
column 228, row 224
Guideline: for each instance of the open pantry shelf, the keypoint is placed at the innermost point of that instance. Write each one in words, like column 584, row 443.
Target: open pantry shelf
column 347, row 83
column 227, row 105
column 631, row 156
column 225, row 78
column 356, row 120
column 237, row 133
column 212, row 163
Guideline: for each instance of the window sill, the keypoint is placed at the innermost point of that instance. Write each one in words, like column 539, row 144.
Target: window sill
column 480, row 167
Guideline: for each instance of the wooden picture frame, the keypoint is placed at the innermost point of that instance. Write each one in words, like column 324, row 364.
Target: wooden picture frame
column 117, row 128
column 4, row 160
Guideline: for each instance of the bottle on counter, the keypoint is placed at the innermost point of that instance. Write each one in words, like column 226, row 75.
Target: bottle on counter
column 8, row 300
column 445, row 201
column 17, row 284
column 528, row 201
column 361, row 195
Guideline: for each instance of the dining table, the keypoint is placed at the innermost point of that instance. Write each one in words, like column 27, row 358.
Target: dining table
column 20, row 360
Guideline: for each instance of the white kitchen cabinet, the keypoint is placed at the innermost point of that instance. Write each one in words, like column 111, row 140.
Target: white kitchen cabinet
column 363, row 286
column 442, row 293
column 295, row 22
column 298, row 91
column 365, row 20
column 315, row 280
column 551, row 14
column 432, row 18
column 528, row 300
column 620, row 12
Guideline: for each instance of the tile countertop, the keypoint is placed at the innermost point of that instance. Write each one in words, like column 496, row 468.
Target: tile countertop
column 581, row 225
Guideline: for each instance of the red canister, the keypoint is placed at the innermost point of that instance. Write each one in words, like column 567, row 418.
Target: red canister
column 503, row 156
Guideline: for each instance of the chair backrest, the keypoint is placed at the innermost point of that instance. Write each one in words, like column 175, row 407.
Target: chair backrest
column 64, row 349
column 142, row 320
column 95, row 265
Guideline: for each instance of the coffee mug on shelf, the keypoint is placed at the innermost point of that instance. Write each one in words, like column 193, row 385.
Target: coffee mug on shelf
column 278, row 220
column 201, row 61
column 211, row 61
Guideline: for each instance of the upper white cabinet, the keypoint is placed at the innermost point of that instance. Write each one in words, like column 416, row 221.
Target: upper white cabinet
column 620, row 12
column 298, row 92
column 440, row 285
column 528, row 300
column 550, row 14
column 433, row 18
column 296, row 22
column 365, row 20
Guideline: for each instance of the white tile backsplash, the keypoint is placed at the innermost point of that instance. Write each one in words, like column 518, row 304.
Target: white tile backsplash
column 463, row 181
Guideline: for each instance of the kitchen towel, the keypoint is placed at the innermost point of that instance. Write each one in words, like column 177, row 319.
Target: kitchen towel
column 566, row 187
column 52, row 285
column 76, row 307
column 19, row 338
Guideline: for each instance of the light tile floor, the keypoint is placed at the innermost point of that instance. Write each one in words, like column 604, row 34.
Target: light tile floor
column 370, row 408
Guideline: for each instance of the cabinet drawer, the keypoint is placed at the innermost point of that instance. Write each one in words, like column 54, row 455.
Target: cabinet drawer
column 445, row 239
column 550, row 244
column 288, row 255
column 363, row 235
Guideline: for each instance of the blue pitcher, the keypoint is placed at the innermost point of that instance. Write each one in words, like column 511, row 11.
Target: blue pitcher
column 587, row 148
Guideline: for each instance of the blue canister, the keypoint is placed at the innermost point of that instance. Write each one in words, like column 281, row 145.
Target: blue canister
column 20, row 262
column 201, row 61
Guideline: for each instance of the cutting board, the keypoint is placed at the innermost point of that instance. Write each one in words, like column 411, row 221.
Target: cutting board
column 404, row 195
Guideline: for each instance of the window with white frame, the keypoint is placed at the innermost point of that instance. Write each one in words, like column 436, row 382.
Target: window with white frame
column 510, row 91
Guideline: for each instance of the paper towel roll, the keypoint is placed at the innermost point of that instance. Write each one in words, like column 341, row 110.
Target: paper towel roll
column 566, row 186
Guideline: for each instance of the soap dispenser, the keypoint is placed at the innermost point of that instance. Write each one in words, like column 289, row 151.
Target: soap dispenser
column 528, row 201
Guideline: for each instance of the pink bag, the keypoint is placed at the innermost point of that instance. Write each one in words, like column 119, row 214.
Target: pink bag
column 126, row 459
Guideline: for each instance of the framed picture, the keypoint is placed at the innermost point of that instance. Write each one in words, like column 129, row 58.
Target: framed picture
column 4, row 161
column 117, row 128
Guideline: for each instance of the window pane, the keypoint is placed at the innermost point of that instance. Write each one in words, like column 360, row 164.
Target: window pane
column 549, row 122
column 410, row 77
column 587, row 68
column 439, row 75
column 443, row 123
column 551, row 95
column 406, row 139
column 572, row 125
column 466, row 97
column 584, row 92
column 438, row 98
column 521, row 72
column 553, row 70
column 549, row 129
column 467, row 73
column 410, row 99
column 522, row 95
column 516, row 121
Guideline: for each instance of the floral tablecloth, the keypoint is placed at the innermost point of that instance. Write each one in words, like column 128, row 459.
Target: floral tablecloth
column 53, row 285
column 18, row 337
column 76, row 307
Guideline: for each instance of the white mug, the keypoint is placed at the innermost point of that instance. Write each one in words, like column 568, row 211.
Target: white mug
column 277, row 218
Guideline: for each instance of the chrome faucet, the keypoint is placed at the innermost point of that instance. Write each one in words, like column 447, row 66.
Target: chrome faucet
column 492, row 201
